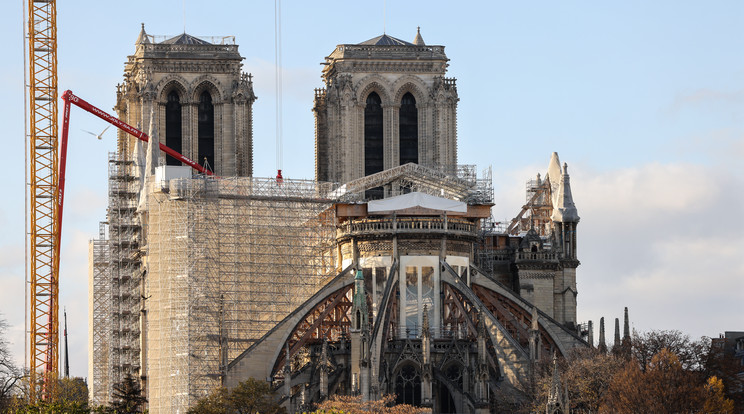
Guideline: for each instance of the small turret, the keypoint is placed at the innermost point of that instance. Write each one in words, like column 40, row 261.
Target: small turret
column 554, row 174
column 564, row 209
column 626, row 342
column 359, row 313
column 555, row 404
column 602, row 346
column 534, row 339
column 616, row 344
column 418, row 40
column 142, row 38
column 626, row 326
column 590, row 334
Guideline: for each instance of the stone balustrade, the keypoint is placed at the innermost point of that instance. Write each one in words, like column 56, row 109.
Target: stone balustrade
column 537, row 256
column 412, row 225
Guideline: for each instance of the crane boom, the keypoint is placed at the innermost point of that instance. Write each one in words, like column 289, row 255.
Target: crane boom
column 71, row 98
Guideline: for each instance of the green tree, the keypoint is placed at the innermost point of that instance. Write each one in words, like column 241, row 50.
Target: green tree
column 252, row 396
column 72, row 390
column 249, row 397
column 214, row 403
column 56, row 407
column 128, row 397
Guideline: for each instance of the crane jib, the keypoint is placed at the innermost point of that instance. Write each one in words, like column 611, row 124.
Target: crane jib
column 68, row 96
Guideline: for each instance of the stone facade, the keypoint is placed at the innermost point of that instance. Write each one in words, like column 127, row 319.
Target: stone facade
column 311, row 284
column 416, row 317
column 389, row 68
column 201, row 79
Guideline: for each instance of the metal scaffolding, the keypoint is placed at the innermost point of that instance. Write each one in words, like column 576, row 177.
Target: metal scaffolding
column 100, row 326
column 227, row 259
column 455, row 182
column 115, row 278
column 209, row 265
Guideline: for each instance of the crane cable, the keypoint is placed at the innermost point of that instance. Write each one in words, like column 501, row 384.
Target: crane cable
column 278, row 83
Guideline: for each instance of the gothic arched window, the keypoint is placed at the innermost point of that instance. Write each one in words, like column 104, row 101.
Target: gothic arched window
column 173, row 138
column 373, row 147
column 408, row 386
column 408, row 128
column 206, row 130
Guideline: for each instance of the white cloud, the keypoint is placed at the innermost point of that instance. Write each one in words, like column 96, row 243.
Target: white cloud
column 664, row 240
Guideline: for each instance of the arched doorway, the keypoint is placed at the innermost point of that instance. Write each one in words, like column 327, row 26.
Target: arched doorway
column 451, row 378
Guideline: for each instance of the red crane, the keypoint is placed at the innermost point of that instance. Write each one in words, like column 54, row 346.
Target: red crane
column 71, row 98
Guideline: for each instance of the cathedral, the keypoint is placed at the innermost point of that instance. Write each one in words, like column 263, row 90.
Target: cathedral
column 384, row 275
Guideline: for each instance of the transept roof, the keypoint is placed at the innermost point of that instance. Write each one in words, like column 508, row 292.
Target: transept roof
column 185, row 39
column 385, row 40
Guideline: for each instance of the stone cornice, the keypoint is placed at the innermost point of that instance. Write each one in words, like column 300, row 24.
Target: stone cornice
column 230, row 67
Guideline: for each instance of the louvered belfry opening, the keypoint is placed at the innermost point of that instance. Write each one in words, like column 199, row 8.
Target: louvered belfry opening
column 173, row 133
column 206, row 130
column 408, row 129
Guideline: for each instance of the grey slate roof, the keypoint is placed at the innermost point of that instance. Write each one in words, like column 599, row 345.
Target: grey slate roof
column 185, row 39
column 385, row 40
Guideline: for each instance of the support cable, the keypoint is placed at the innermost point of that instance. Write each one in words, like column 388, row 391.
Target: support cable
column 278, row 84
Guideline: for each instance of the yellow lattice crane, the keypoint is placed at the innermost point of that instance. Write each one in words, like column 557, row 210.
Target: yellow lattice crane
column 44, row 228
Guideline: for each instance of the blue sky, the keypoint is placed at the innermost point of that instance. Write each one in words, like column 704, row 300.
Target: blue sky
column 644, row 100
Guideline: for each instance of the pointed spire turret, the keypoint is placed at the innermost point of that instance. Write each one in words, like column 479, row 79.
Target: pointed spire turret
column 564, row 209
column 590, row 339
column 626, row 346
column 418, row 40
column 626, row 326
column 153, row 147
column 325, row 367
column 555, row 401
column 616, row 345
column 534, row 340
column 602, row 346
column 554, row 174
column 359, row 303
column 425, row 323
column 142, row 38
column 617, row 330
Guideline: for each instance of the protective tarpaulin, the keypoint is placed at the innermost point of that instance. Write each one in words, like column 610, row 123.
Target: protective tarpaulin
column 416, row 200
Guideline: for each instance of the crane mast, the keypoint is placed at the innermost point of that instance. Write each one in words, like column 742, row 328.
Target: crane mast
column 44, row 194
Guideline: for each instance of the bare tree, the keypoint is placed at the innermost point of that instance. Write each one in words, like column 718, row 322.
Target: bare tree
column 10, row 374
column 692, row 355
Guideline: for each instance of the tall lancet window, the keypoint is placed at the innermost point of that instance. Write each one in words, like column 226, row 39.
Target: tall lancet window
column 373, row 147
column 173, row 126
column 206, row 130
column 408, row 128
column 373, row 134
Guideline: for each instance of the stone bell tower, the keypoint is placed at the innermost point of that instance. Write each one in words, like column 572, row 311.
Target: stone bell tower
column 386, row 102
column 202, row 102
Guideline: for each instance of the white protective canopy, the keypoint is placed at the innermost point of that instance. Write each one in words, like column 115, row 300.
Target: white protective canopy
column 416, row 200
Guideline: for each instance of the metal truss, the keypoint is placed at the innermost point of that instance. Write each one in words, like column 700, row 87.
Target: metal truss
column 458, row 183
